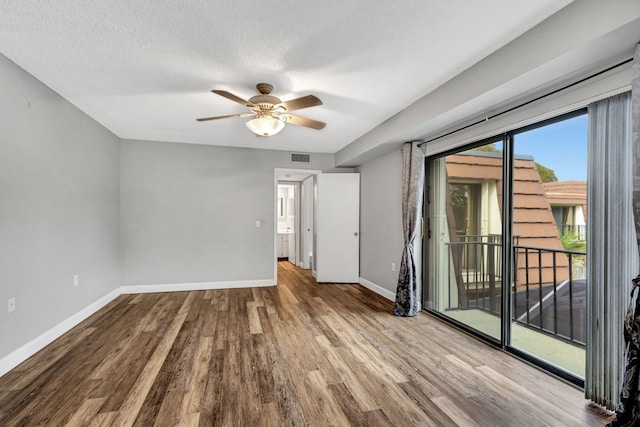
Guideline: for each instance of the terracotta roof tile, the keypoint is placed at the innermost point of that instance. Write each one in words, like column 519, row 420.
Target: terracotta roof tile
column 533, row 222
column 530, row 200
column 478, row 172
column 522, row 215
column 566, row 193
column 528, row 187
column 526, row 174
column 475, row 160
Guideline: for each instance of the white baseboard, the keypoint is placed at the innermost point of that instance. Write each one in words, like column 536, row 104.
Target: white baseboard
column 378, row 289
column 21, row 354
column 199, row 286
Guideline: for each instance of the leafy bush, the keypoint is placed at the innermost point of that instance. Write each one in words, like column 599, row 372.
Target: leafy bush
column 571, row 242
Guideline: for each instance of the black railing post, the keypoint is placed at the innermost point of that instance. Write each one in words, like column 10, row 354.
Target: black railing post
column 540, row 288
column 526, row 269
column 475, row 272
column 513, row 288
column 555, row 296
column 571, row 334
column 449, row 261
column 492, row 278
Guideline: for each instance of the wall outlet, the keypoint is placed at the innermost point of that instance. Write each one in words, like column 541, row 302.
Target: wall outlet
column 76, row 280
column 11, row 305
column 393, row 266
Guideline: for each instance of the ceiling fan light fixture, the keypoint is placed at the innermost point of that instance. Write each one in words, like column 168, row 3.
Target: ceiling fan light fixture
column 271, row 114
column 265, row 126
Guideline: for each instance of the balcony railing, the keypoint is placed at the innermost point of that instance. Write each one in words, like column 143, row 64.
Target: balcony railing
column 476, row 263
column 548, row 295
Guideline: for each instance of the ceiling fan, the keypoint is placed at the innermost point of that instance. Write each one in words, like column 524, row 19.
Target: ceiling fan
column 270, row 113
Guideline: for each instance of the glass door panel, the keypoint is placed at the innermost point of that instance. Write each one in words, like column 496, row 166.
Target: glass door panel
column 465, row 237
column 548, row 291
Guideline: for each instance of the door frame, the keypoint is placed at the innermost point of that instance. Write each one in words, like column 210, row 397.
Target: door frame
column 504, row 340
column 289, row 176
column 306, row 222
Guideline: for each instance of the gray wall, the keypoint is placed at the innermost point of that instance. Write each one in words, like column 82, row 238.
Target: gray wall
column 188, row 212
column 381, row 239
column 59, row 207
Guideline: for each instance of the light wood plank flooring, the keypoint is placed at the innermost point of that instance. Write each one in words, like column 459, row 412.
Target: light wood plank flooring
column 297, row 354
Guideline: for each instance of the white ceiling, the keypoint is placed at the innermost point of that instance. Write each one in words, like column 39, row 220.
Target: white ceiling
column 144, row 69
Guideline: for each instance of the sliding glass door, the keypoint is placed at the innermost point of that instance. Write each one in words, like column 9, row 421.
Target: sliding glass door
column 465, row 237
column 549, row 220
column 526, row 291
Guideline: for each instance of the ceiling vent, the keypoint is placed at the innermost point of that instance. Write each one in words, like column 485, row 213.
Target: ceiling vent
column 300, row 158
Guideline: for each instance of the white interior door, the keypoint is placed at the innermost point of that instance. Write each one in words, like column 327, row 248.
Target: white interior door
column 338, row 228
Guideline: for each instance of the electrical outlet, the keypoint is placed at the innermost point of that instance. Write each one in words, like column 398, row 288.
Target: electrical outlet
column 11, row 305
column 76, row 280
column 393, row 266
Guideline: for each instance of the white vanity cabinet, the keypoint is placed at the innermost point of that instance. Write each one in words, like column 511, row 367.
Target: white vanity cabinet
column 283, row 245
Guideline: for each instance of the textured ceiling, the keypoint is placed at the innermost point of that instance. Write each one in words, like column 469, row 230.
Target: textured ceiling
column 144, row 69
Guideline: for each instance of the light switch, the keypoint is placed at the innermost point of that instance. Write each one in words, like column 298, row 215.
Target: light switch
column 258, row 224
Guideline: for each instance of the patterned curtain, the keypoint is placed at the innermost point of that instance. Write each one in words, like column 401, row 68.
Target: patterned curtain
column 407, row 302
column 628, row 408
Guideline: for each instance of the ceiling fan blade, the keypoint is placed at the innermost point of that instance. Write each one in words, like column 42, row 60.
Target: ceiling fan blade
column 303, row 121
column 204, row 119
column 233, row 98
column 299, row 103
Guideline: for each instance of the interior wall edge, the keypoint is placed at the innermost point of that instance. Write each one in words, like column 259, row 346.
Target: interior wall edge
column 377, row 289
column 201, row 286
column 16, row 357
column 27, row 350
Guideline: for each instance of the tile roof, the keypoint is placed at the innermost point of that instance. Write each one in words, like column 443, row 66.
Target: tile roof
column 533, row 222
column 567, row 193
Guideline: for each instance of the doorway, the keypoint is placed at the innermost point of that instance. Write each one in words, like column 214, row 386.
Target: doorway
column 294, row 217
column 288, row 221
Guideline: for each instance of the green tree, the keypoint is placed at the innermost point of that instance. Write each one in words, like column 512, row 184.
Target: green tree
column 488, row 147
column 546, row 174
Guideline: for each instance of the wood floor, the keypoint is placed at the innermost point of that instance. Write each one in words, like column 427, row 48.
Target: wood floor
column 296, row 354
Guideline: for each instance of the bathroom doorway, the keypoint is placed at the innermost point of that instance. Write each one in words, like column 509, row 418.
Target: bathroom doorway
column 288, row 221
column 294, row 216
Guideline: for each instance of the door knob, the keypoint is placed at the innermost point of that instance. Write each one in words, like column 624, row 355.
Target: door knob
column 355, row 234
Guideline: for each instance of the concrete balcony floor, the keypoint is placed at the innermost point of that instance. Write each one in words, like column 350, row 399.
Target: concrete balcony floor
column 553, row 350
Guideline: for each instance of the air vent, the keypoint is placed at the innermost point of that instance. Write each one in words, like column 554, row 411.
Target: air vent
column 300, row 158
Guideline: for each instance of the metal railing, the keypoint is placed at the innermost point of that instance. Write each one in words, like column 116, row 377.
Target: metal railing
column 548, row 293
column 554, row 305
column 476, row 263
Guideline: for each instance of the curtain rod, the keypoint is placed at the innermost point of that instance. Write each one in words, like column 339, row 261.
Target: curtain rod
column 626, row 61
